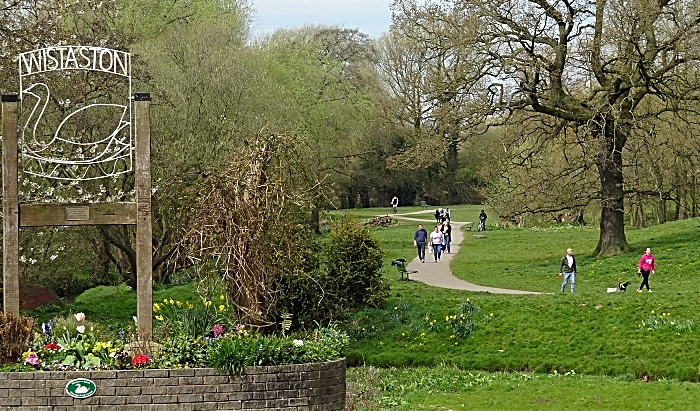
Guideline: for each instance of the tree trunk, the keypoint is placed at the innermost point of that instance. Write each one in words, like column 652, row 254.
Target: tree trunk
column 612, row 224
column 315, row 223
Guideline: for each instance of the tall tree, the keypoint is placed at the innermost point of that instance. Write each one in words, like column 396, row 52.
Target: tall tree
column 582, row 64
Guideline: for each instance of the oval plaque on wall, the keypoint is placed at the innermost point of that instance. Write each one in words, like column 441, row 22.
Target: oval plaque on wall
column 80, row 388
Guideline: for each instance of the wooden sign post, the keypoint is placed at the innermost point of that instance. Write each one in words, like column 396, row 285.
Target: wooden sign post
column 10, row 205
column 144, row 235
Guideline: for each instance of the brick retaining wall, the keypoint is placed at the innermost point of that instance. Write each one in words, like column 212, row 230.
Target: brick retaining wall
column 319, row 387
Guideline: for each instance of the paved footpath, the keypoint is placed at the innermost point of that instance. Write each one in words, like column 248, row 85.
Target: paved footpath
column 439, row 274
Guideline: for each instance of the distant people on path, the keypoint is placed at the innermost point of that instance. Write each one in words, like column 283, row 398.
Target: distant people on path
column 437, row 241
column 567, row 269
column 646, row 265
column 447, row 215
column 395, row 203
column 420, row 237
column 482, row 221
column 447, row 232
column 438, row 216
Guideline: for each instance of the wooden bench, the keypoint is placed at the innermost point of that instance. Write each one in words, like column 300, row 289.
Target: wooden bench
column 400, row 264
column 469, row 225
column 424, row 205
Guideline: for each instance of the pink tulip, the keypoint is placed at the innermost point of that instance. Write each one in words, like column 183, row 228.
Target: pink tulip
column 80, row 317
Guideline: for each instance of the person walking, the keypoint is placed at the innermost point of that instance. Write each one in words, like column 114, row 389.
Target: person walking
column 420, row 237
column 447, row 231
column 395, row 203
column 567, row 269
column 646, row 265
column 482, row 221
column 437, row 240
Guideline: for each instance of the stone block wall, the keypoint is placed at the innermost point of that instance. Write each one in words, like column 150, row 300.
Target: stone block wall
column 315, row 387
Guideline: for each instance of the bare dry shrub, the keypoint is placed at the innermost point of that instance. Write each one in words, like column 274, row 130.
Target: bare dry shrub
column 245, row 222
column 16, row 334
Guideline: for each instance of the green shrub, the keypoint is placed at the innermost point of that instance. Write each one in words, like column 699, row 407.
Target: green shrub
column 16, row 335
column 306, row 296
column 354, row 263
column 181, row 350
column 349, row 278
column 232, row 354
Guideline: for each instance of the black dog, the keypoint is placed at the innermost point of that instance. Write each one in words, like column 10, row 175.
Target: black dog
column 623, row 286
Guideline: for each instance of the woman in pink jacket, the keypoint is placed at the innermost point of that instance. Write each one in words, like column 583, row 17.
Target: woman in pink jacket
column 646, row 265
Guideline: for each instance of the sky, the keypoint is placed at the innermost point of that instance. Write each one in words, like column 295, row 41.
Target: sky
column 371, row 17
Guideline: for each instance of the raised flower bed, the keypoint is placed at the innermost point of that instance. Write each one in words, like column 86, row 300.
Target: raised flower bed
column 78, row 369
column 315, row 386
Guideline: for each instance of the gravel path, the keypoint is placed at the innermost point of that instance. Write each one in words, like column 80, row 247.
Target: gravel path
column 438, row 274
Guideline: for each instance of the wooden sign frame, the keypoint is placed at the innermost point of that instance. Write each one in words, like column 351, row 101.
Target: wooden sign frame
column 17, row 215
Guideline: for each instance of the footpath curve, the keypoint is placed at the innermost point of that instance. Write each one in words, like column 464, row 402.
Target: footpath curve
column 439, row 274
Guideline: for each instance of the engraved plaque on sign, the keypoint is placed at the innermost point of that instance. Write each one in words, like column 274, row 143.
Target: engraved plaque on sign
column 77, row 213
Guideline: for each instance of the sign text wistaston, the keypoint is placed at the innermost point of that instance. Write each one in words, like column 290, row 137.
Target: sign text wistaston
column 75, row 58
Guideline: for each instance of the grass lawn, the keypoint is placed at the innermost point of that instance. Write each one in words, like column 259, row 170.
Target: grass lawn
column 437, row 349
column 607, row 341
column 448, row 388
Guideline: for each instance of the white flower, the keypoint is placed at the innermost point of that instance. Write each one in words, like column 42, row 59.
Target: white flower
column 136, row 320
column 80, row 317
column 80, row 328
column 298, row 343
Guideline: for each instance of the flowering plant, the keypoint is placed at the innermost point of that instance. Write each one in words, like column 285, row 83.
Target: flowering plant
column 30, row 358
column 52, row 347
column 140, row 360
column 198, row 318
column 76, row 345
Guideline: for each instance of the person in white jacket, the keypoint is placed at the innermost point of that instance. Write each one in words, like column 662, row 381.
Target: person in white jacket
column 437, row 240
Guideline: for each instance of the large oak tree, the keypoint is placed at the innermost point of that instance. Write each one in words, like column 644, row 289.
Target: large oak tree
column 579, row 65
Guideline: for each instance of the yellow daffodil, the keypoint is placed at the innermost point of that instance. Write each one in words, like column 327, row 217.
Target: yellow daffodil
column 222, row 307
column 159, row 317
column 189, row 305
column 179, row 304
column 156, row 307
column 221, row 297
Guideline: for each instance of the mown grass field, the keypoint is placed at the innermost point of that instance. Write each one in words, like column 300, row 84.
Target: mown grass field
column 604, row 341
column 584, row 351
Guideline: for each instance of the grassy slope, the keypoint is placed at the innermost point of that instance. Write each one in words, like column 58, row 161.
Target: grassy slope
column 591, row 331
column 447, row 388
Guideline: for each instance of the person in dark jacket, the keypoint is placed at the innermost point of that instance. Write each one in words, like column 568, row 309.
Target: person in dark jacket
column 482, row 221
column 567, row 269
column 420, row 237
column 447, row 230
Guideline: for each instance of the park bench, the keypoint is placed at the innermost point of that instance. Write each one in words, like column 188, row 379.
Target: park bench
column 469, row 225
column 424, row 204
column 400, row 264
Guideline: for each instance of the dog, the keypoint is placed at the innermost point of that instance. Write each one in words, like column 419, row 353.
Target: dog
column 620, row 287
